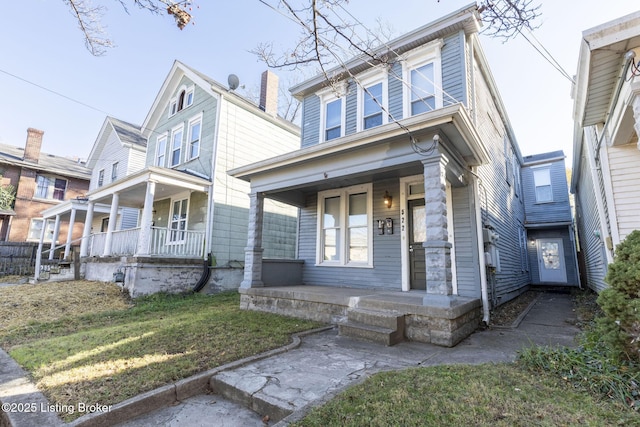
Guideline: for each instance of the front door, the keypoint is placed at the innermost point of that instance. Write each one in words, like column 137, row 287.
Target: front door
column 551, row 261
column 417, row 235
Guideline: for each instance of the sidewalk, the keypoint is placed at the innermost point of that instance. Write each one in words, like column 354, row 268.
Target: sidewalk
column 287, row 382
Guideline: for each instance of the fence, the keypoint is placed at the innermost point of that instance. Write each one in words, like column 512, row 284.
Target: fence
column 19, row 258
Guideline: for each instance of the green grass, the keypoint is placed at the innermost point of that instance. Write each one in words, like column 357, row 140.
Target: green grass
column 462, row 395
column 110, row 356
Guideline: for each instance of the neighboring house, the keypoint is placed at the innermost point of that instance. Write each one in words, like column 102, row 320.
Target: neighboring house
column 119, row 150
column 41, row 181
column 548, row 220
column 606, row 176
column 408, row 184
column 190, row 210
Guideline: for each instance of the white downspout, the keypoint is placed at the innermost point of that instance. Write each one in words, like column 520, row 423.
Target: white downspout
column 214, row 155
column 481, row 261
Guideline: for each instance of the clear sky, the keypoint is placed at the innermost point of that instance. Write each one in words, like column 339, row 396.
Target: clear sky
column 41, row 44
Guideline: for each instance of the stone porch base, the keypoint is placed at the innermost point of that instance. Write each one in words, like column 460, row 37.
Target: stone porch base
column 435, row 324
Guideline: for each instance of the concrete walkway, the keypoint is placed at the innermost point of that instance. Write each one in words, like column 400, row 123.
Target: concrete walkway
column 285, row 385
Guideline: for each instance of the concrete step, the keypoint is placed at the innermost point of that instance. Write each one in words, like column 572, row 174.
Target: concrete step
column 370, row 333
column 384, row 318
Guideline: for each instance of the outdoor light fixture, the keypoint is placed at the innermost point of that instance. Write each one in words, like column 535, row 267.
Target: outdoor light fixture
column 387, row 199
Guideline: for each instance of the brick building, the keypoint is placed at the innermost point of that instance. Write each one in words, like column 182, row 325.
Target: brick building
column 40, row 181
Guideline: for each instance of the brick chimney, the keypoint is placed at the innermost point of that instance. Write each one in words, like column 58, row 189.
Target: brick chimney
column 34, row 143
column 269, row 93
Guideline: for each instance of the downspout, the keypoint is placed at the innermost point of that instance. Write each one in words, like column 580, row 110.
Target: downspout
column 206, row 272
column 481, row 261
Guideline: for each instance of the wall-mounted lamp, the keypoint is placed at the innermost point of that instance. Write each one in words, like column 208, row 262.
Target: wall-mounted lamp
column 387, row 199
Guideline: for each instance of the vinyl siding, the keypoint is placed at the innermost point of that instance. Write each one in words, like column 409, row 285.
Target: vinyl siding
column 112, row 152
column 557, row 210
column 625, row 181
column 500, row 207
column 453, row 69
column 567, row 247
column 310, row 121
column 465, row 243
column 395, row 87
column 351, row 109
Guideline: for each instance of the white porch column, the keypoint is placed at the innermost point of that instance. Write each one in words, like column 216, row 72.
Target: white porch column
column 56, row 232
column 144, row 237
column 437, row 246
column 72, row 220
column 113, row 217
column 36, row 276
column 86, row 232
column 253, row 251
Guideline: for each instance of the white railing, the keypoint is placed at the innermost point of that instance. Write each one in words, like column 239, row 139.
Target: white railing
column 125, row 242
column 182, row 243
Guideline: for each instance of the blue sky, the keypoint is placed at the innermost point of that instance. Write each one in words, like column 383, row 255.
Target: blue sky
column 41, row 44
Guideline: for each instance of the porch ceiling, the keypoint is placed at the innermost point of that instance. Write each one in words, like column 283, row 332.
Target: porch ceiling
column 132, row 189
column 376, row 154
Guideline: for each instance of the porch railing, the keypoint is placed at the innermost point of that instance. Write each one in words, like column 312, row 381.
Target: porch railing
column 182, row 243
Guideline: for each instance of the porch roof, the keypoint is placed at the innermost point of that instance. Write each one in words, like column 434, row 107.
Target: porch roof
column 80, row 205
column 383, row 152
column 132, row 189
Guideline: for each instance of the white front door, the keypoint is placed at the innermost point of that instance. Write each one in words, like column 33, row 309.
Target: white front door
column 551, row 261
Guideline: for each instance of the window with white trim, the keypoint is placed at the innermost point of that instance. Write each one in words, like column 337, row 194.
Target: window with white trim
column 178, row 222
column 183, row 99
column 193, row 144
column 100, row 177
column 345, row 227
column 35, row 229
column 114, row 171
column 49, row 187
column 332, row 114
column 422, row 71
column 176, row 145
column 542, row 182
column 161, row 150
column 372, row 99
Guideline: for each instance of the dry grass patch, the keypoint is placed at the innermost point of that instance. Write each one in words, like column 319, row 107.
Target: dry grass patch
column 26, row 304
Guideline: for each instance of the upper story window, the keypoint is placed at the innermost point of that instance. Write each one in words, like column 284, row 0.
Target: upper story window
column 344, row 227
column 176, row 145
column 372, row 99
column 101, row 178
column 193, row 145
column 161, row 151
column 542, row 182
column 48, row 187
column 114, row 171
column 183, row 100
column 332, row 113
column 422, row 72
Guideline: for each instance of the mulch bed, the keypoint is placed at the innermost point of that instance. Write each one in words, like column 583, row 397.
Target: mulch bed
column 507, row 313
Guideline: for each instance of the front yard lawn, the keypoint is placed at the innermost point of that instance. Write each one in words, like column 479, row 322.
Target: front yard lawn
column 86, row 342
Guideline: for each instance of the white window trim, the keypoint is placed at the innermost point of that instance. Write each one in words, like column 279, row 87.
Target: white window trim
column 193, row 120
column 173, row 102
column 164, row 155
column 416, row 58
column 178, row 198
column 100, row 180
column 114, row 168
column 546, row 167
column 52, row 186
column 329, row 95
column 45, row 223
column 179, row 128
column 344, row 193
column 367, row 79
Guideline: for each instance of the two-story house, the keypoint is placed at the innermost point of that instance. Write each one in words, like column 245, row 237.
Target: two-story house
column 190, row 210
column 407, row 180
column 118, row 151
column 606, row 177
column 549, row 221
column 41, row 181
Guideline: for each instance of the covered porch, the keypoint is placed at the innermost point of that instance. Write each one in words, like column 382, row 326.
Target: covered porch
column 393, row 215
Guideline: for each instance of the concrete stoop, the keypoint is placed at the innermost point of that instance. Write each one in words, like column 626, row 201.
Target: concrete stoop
column 378, row 326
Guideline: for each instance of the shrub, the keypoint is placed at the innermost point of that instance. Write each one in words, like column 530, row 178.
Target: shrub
column 620, row 302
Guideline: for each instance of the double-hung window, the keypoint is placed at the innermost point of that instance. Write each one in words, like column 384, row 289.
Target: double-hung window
column 48, row 187
column 101, row 178
column 422, row 71
column 542, row 182
column 372, row 99
column 114, row 171
column 193, row 144
column 35, row 229
column 176, row 145
column 161, row 150
column 344, row 227
column 332, row 113
column 372, row 106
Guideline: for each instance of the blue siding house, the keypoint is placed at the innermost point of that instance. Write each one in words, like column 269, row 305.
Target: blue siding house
column 549, row 221
column 408, row 185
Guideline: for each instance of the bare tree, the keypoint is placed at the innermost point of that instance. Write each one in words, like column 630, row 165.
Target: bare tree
column 89, row 17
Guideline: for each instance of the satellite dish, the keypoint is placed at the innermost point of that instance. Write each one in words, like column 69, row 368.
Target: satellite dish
column 233, row 81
